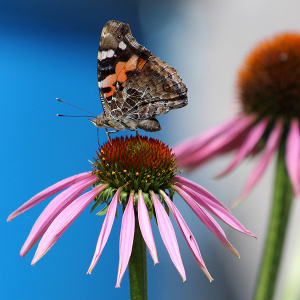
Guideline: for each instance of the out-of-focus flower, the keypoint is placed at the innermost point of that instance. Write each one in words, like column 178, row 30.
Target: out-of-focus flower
column 141, row 175
column 268, row 86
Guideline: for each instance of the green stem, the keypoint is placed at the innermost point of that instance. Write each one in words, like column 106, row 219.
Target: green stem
column 282, row 199
column 138, row 267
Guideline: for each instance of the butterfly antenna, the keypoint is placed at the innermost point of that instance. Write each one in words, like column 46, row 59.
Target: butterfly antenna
column 59, row 115
column 75, row 107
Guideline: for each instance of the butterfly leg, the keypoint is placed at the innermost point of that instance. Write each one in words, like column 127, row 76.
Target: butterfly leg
column 108, row 132
column 98, row 137
column 137, row 134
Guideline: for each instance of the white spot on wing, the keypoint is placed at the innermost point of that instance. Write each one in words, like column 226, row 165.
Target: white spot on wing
column 122, row 45
column 105, row 54
column 110, row 53
column 102, row 55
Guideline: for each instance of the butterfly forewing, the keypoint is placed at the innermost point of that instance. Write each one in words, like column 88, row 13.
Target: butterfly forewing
column 134, row 85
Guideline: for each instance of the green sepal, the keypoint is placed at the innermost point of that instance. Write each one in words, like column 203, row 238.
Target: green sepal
column 149, row 204
column 124, row 197
column 98, row 201
column 135, row 200
column 103, row 211
column 171, row 192
column 166, row 208
column 103, row 197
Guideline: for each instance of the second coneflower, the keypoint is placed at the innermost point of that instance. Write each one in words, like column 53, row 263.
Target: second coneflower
column 269, row 93
column 268, row 88
column 143, row 177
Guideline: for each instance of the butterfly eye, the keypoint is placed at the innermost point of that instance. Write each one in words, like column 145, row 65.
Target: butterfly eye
column 167, row 87
column 119, row 36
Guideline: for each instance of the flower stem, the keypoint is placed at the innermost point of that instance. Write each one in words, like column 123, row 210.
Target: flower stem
column 282, row 199
column 138, row 267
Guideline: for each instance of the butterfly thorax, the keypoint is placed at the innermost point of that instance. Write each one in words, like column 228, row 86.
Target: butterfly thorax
column 103, row 121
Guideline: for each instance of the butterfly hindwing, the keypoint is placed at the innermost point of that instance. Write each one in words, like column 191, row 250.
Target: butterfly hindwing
column 156, row 90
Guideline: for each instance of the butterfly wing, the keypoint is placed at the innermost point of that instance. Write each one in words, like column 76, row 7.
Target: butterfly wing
column 153, row 91
column 119, row 55
column 134, row 85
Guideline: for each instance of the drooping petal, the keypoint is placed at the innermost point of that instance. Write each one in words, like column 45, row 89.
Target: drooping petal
column 126, row 238
column 270, row 148
column 168, row 236
column 248, row 145
column 53, row 209
column 207, row 219
column 53, row 189
column 218, row 145
column 145, row 226
column 187, row 147
column 292, row 157
column 199, row 189
column 105, row 230
column 62, row 222
column 217, row 210
column 189, row 237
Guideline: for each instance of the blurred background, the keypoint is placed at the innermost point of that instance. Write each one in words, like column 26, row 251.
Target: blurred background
column 48, row 49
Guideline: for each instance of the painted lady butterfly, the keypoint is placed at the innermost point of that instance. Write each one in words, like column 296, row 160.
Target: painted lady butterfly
column 135, row 86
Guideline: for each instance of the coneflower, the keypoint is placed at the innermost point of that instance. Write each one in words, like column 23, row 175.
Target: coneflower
column 142, row 176
column 268, row 87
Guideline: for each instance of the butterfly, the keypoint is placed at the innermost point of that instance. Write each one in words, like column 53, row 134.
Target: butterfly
column 135, row 86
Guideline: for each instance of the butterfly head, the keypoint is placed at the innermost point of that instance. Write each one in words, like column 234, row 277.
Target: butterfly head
column 99, row 121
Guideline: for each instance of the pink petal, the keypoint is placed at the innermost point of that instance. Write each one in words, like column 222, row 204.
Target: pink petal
column 53, row 189
column 199, row 189
column 217, row 210
column 168, row 235
column 145, row 226
column 217, row 145
column 187, row 147
column 187, row 234
column 293, row 155
column 126, row 238
column 207, row 219
column 62, row 222
column 248, row 145
column 53, row 209
column 105, row 230
column 270, row 148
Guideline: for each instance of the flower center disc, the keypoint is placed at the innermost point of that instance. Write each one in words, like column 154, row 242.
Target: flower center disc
column 269, row 81
column 146, row 164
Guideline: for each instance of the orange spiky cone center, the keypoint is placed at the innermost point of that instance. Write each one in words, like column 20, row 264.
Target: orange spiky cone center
column 269, row 81
column 146, row 164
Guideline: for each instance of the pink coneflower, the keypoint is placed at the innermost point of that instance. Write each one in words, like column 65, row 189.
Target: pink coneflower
column 268, row 86
column 141, row 175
